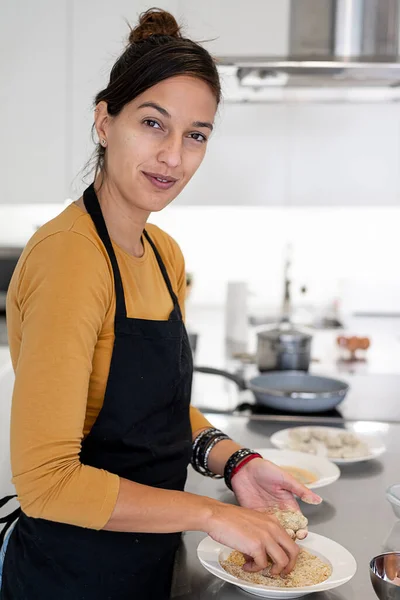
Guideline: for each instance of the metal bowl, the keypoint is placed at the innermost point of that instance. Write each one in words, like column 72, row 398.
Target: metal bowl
column 384, row 571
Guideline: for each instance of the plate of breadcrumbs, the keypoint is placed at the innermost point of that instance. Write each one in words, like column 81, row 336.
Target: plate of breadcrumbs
column 312, row 471
column 322, row 565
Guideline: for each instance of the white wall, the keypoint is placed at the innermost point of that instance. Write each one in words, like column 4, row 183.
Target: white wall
column 262, row 156
column 348, row 251
column 33, row 100
column 301, row 155
column 58, row 55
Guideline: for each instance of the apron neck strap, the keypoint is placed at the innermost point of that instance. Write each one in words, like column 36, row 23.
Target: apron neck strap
column 93, row 207
column 164, row 272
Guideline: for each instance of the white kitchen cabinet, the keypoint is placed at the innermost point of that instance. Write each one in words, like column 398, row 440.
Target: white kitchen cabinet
column 344, row 154
column 245, row 162
column 238, row 27
column 33, row 64
column 99, row 33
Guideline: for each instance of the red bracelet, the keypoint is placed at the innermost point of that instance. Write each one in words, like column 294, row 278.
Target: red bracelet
column 244, row 462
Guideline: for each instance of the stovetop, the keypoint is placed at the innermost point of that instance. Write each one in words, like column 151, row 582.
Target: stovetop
column 258, row 409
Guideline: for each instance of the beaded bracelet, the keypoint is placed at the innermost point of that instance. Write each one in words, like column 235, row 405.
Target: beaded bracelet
column 243, row 463
column 234, row 461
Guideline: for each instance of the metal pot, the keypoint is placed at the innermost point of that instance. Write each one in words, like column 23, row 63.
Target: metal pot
column 283, row 348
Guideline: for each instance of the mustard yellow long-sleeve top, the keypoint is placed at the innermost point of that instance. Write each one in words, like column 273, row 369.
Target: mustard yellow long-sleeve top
column 60, row 317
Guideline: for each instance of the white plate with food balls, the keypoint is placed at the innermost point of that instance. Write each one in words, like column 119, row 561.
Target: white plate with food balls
column 310, row 470
column 322, row 565
column 341, row 446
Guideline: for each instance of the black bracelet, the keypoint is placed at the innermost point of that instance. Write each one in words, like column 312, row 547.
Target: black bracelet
column 207, row 452
column 202, row 447
column 199, row 445
column 200, row 454
column 197, row 441
column 233, row 461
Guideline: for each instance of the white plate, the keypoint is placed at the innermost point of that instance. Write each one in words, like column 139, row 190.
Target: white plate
column 280, row 439
column 342, row 562
column 322, row 468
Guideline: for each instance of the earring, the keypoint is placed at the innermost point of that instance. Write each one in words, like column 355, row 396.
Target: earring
column 104, row 142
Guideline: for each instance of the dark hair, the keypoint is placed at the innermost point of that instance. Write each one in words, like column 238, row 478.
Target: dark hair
column 156, row 50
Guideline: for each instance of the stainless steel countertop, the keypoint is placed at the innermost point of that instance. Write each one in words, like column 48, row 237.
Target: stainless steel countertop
column 354, row 513
column 371, row 397
column 374, row 385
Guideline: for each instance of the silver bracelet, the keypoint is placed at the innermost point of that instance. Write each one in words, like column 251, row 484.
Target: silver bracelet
column 213, row 443
column 199, row 457
column 196, row 443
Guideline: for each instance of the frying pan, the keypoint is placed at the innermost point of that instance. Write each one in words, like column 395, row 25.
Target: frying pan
column 290, row 391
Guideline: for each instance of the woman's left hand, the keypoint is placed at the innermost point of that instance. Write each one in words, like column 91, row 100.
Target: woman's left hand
column 263, row 486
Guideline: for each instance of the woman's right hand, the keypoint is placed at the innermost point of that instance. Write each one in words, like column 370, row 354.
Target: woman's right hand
column 257, row 535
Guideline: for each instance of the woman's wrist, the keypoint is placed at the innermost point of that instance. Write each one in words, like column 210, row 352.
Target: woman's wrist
column 212, row 454
column 206, row 514
column 211, row 449
column 203, row 445
column 237, row 462
column 244, row 475
column 220, row 454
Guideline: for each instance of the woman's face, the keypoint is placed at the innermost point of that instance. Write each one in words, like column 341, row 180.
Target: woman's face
column 157, row 142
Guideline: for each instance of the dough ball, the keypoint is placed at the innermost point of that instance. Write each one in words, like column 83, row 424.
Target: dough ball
column 291, row 520
column 300, row 435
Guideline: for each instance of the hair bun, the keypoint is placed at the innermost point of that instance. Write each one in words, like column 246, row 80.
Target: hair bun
column 154, row 21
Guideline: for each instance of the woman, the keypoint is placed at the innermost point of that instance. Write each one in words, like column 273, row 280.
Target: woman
column 102, row 432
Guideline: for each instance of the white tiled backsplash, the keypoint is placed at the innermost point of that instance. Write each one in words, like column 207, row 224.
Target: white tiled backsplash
column 350, row 252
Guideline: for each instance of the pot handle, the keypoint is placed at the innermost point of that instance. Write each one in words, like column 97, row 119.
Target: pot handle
column 240, row 382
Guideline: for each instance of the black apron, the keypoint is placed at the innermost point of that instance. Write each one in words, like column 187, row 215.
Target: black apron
column 143, row 434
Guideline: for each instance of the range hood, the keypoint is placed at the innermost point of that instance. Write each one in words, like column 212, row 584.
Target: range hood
column 333, row 44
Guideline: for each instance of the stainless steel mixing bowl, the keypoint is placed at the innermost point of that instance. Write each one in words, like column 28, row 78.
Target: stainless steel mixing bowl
column 384, row 572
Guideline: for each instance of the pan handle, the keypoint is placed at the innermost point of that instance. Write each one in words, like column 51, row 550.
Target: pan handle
column 240, row 382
